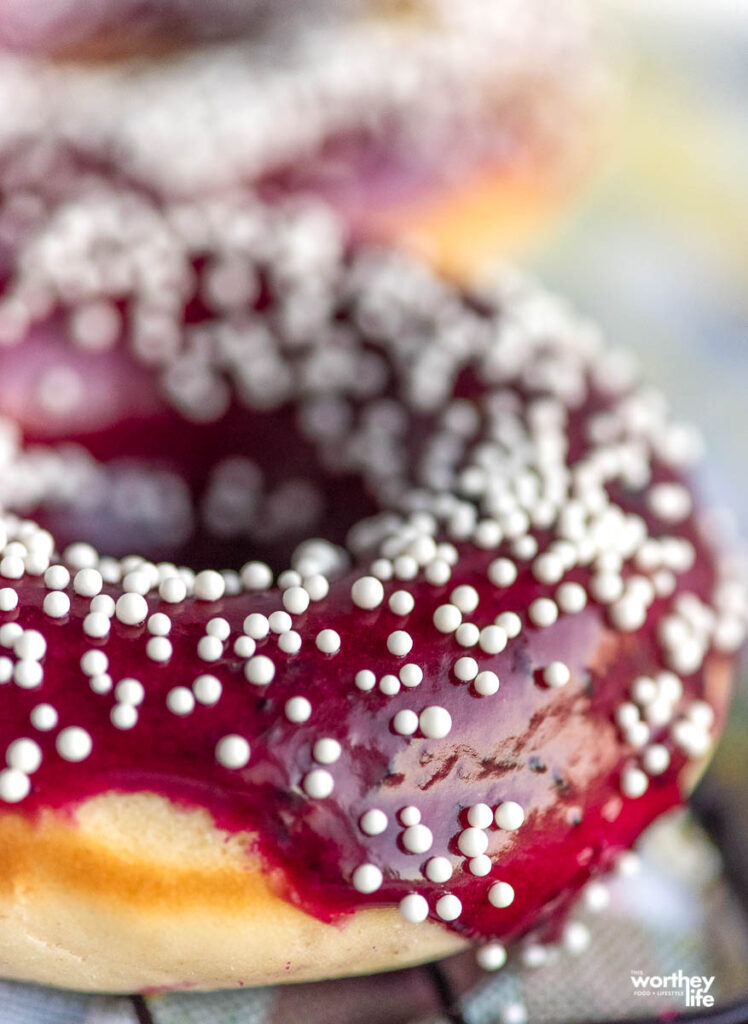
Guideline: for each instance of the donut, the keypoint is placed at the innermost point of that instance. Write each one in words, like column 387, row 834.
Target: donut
column 503, row 649
column 455, row 128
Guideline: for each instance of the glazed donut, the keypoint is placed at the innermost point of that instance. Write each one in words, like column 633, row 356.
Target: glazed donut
column 456, row 128
column 510, row 653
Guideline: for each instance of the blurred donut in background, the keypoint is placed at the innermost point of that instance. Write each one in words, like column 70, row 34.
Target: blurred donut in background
column 453, row 128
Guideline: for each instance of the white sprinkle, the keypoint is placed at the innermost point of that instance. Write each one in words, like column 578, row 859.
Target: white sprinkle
column 382, row 568
column 435, row 722
column 318, row 783
column 399, row 643
column 131, row 609
column 465, row 598
column 634, row 783
column 88, row 582
column 511, row 623
column 501, row 894
column 373, row 822
column 438, row 573
column 12, row 567
column 9, row 633
column 30, row 645
column 232, row 751
column 417, row 838
column 244, row 646
column 438, row 869
column 472, row 842
column 74, row 743
column 493, row 639
column 296, row 600
column 56, row 577
column 509, row 815
column 486, row 683
column 644, row 690
column 405, row 567
column 576, row 938
column 389, row 685
column 365, row 680
column 414, row 908
column 130, row 691
column 548, row 568
column 290, row 642
column 6, row 670
column 467, row 634
column 173, row 590
column 43, row 717
column 180, row 700
column 367, row 878
column 217, row 627
column 101, row 683
column 411, row 675
column 259, row 670
column 543, row 611
column 701, row 714
column 491, row 957
column 96, row 625
column 256, row 576
column 207, row 690
column 56, row 604
column 638, row 734
column 466, row 669
column 94, row 662
column 14, row 785
column 279, row 622
column 326, row 751
column 405, row 722
column 256, row 626
column 124, row 716
column 297, row 709
column 317, row 586
column 367, row 592
column 571, row 598
column 137, row 582
column 159, row 624
column 28, row 674
column 656, row 759
column 480, row 865
column 448, row 907
column 328, row 641
column 606, row 587
column 447, row 618
column 401, row 602
column 410, row 815
column 24, row 754
column 502, row 572
column 556, row 674
column 596, row 897
column 481, row 816
column 209, row 648
column 9, row 600
column 159, row 649
column 209, row 585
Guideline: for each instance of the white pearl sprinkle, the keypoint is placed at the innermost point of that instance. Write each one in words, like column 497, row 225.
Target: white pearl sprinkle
column 88, row 582
column 159, row 649
column 367, row 878
column 326, row 750
column 511, row 623
column 209, row 585
column 207, row 690
column 30, row 645
column 232, row 751
column 493, row 639
column 411, row 675
column 472, row 842
column 465, row 598
column 173, row 590
column 180, row 700
column 96, row 625
column 438, row 869
column 501, row 894
column 418, row 838
column 466, row 669
column 399, row 643
column 448, row 907
column 373, row 822
column 367, row 592
column 9, row 600
column 389, row 685
column 543, row 611
column 365, row 680
column 290, row 642
column 656, row 759
column 280, row 622
column 480, row 816
column 480, row 866
column 491, row 957
column 296, row 600
column 486, row 683
column 56, row 604
column 556, row 674
column 209, row 648
column 131, row 609
column 405, row 722
column 447, row 618
column 43, row 717
column 509, row 815
column 28, row 674
column 259, row 670
column 298, row 709
column 409, row 815
column 56, row 577
column 467, row 635
column 14, row 785
column 124, row 716
column 401, row 602
column 74, row 743
column 414, row 908
column 634, row 782
column 502, row 572
column 318, row 783
column 101, row 683
column 571, row 598
column 130, row 691
column 24, row 754
column 328, row 641
column 256, row 626
column 94, row 662
column 217, row 627
column 435, row 722
column 256, row 576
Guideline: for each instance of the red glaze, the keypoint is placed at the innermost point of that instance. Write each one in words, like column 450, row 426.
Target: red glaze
column 555, row 751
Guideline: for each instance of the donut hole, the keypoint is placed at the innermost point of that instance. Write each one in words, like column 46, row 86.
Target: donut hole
column 205, row 495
